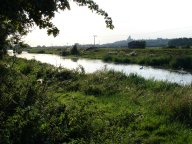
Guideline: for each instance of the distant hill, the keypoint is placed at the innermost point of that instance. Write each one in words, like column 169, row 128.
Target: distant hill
column 122, row 43
column 159, row 42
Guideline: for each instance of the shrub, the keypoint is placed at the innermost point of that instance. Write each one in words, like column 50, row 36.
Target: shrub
column 26, row 69
column 155, row 61
column 107, row 58
column 182, row 62
column 126, row 60
column 65, row 74
column 74, row 50
column 118, row 60
column 93, row 90
column 64, row 53
column 41, row 51
column 121, row 60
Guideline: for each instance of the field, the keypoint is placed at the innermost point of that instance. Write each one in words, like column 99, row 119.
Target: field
column 157, row 57
column 43, row 104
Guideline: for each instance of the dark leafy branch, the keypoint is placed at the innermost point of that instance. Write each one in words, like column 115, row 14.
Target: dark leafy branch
column 17, row 17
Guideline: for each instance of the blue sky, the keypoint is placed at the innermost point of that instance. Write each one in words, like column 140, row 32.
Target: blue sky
column 142, row 19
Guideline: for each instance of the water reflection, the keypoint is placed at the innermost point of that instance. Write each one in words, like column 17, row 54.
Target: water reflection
column 74, row 59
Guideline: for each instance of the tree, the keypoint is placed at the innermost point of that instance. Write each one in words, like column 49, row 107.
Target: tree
column 137, row 44
column 180, row 42
column 74, row 50
column 17, row 17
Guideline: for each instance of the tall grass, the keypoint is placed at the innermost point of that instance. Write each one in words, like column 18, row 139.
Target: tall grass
column 104, row 107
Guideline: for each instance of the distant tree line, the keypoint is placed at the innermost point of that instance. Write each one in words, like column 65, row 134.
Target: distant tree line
column 137, row 44
column 159, row 42
column 73, row 51
column 180, row 42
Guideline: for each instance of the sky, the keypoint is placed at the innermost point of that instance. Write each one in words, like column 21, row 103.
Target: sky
column 142, row 19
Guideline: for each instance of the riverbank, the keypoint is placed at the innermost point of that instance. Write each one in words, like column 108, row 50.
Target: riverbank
column 92, row 65
column 158, row 57
column 43, row 104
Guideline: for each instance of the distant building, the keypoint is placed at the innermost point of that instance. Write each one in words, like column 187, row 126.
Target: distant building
column 129, row 39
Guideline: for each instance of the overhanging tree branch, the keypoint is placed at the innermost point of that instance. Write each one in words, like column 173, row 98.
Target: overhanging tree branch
column 18, row 16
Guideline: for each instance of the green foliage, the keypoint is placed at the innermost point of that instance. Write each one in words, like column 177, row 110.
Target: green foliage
column 64, row 53
column 137, row 44
column 18, row 17
column 41, row 51
column 155, row 61
column 122, row 60
column 107, row 58
column 104, row 107
column 184, row 42
column 74, row 50
column 172, row 58
column 182, row 62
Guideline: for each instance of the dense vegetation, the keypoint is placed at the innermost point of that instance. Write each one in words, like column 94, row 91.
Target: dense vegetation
column 180, row 42
column 165, row 58
column 43, row 104
column 137, row 44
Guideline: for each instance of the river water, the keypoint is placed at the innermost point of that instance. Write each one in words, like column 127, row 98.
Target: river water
column 90, row 66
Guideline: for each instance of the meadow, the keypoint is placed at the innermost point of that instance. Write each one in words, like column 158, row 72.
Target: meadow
column 43, row 104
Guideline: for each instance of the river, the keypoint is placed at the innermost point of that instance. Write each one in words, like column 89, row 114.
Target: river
column 90, row 66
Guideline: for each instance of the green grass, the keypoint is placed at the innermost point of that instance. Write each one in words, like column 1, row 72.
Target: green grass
column 103, row 107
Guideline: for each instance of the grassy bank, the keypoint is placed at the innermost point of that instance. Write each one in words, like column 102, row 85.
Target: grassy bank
column 166, row 58
column 158, row 57
column 43, row 104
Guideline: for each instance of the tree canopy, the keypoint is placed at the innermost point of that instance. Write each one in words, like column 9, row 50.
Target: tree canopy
column 17, row 17
column 137, row 44
column 180, row 42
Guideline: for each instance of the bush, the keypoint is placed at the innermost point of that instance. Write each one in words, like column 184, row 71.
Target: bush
column 156, row 61
column 26, row 69
column 182, row 62
column 41, row 51
column 64, row 53
column 121, row 60
column 107, row 58
column 94, row 90
column 65, row 75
